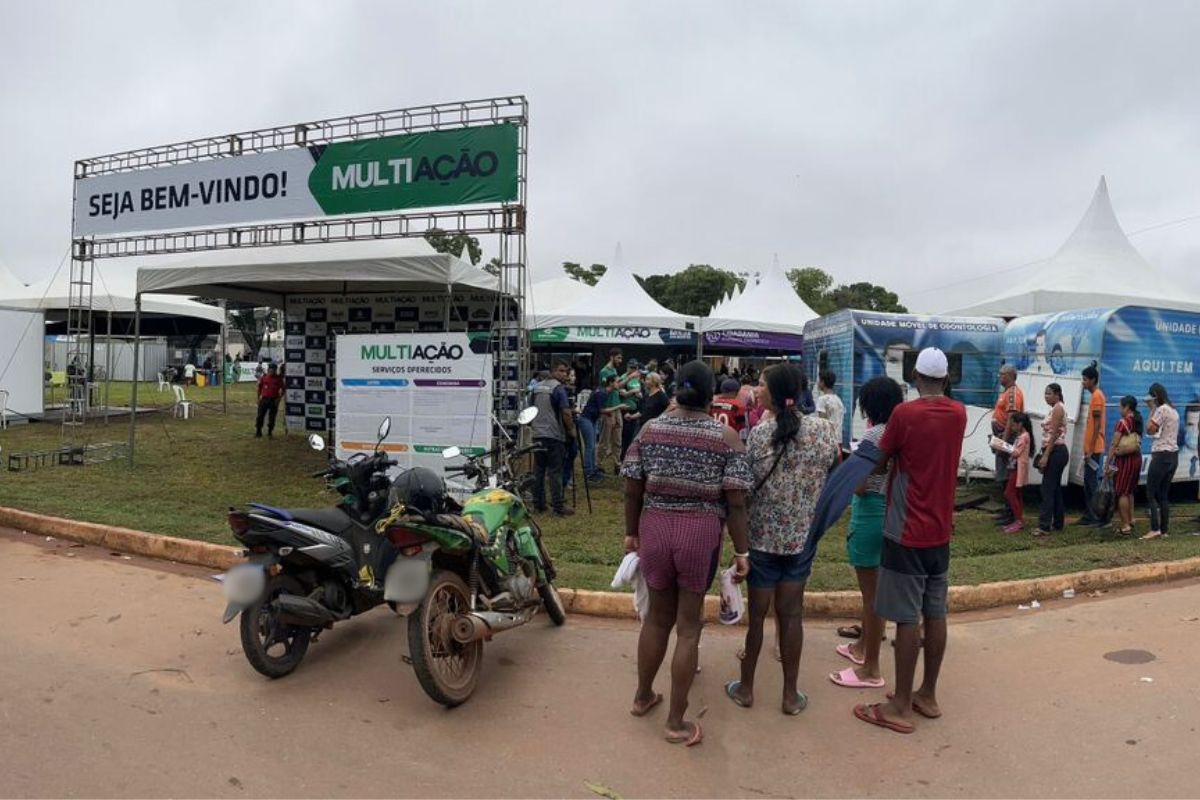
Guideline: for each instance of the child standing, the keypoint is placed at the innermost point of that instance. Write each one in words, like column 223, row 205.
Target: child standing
column 1020, row 434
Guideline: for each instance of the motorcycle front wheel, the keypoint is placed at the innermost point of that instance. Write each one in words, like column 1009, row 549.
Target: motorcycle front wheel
column 553, row 603
column 447, row 670
column 272, row 648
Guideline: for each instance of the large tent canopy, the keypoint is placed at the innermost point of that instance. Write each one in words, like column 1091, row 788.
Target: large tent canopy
column 555, row 293
column 113, row 291
column 267, row 275
column 617, row 300
column 1097, row 267
column 770, row 306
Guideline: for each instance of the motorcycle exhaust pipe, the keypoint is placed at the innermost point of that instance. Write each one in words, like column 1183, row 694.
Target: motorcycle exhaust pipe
column 477, row 625
column 302, row 611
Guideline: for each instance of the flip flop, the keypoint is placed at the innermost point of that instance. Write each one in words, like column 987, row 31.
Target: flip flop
column 648, row 707
column 695, row 738
column 844, row 651
column 871, row 714
column 918, row 709
column 850, row 631
column 803, row 704
column 730, row 689
column 850, row 680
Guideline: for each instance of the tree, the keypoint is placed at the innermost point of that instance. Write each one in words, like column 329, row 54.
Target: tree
column 815, row 287
column 445, row 243
column 589, row 275
column 253, row 323
column 493, row 267
column 866, row 297
column 694, row 291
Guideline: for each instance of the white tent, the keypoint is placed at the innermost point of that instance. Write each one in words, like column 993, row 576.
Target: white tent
column 1096, row 267
column 555, row 293
column 10, row 286
column 617, row 300
column 770, row 306
column 266, row 275
column 113, row 290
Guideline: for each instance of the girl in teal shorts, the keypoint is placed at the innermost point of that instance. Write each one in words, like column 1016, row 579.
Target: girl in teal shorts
column 864, row 542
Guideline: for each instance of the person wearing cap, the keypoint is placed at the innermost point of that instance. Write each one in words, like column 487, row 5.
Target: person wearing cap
column 727, row 409
column 270, row 390
column 922, row 444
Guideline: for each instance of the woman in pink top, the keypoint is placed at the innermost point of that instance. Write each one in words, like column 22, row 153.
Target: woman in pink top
column 1164, row 459
column 1020, row 432
column 1052, row 462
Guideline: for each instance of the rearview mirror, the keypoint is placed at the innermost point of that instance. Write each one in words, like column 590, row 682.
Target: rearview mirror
column 384, row 428
column 527, row 416
column 452, row 452
column 316, row 441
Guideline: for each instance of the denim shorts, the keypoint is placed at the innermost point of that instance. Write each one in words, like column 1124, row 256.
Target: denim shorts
column 769, row 569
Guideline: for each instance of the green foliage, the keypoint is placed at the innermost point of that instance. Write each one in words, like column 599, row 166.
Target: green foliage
column 445, row 243
column 253, row 323
column 816, row 288
column 589, row 275
column 694, row 291
column 493, row 267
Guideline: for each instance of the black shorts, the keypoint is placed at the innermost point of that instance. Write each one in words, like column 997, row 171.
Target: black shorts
column 913, row 582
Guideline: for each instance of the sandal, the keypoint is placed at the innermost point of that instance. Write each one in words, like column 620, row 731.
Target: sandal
column 873, row 715
column 850, row 631
column 844, row 651
column 801, row 704
column 731, row 692
column 646, row 709
column 689, row 740
column 849, row 678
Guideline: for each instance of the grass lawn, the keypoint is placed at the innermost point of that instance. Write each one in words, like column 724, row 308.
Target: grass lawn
column 189, row 472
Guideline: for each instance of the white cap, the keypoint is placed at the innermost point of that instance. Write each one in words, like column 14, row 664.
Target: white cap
column 932, row 363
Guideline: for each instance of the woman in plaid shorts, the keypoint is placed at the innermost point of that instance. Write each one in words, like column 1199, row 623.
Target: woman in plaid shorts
column 686, row 478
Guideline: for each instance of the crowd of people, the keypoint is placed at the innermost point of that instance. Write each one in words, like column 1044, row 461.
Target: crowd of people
column 754, row 465
column 1112, row 463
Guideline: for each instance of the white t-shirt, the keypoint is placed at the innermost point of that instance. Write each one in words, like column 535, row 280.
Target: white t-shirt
column 189, row 371
column 830, row 407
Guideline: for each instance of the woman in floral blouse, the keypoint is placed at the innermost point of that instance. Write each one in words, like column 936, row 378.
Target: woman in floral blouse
column 790, row 455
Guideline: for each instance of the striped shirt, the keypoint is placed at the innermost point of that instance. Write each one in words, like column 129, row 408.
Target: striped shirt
column 687, row 465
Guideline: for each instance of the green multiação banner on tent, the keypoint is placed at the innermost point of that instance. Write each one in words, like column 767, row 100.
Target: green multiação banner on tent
column 420, row 170
column 463, row 166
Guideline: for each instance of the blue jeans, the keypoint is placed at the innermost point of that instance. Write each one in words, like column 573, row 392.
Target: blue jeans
column 587, row 429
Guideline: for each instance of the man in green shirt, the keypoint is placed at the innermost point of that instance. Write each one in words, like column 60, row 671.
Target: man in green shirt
column 631, row 399
column 609, row 446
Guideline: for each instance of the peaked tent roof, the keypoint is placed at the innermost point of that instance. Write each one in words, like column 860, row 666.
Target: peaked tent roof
column 10, row 285
column 769, row 306
column 617, row 299
column 553, row 294
column 1097, row 267
column 266, row 275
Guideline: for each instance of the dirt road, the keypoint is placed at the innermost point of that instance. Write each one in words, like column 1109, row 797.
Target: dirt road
column 118, row 679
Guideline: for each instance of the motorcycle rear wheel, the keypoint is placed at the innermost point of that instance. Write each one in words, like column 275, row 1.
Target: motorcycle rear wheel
column 447, row 671
column 262, row 635
column 554, row 604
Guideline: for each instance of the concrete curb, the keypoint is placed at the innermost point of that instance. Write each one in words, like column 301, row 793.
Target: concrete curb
column 619, row 605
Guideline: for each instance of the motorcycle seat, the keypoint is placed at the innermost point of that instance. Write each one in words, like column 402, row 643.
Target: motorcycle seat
column 467, row 525
column 333, row 520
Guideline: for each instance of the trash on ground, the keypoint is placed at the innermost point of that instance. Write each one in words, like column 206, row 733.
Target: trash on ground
column 1144, row 679
column 601, row 790
column 220, row 578
column 1030, row 607
column 1189, row 619
column 49, row 538
column 1068, row 593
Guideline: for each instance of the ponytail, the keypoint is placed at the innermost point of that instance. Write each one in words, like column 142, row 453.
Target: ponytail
column 784, row 384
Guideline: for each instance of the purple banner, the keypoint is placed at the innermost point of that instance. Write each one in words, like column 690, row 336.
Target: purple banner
column 448, row 382
column 755, row 340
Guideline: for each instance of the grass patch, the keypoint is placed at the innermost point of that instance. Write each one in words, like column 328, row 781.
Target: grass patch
column 188, row 472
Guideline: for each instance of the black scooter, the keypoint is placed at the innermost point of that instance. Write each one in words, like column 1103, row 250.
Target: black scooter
column 309, row 568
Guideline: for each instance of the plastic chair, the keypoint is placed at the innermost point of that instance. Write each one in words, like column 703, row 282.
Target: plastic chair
column 183, row 406
column 163, row 383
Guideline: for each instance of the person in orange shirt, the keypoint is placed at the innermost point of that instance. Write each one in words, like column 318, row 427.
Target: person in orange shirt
column 1093, row 444
column 1011, row 400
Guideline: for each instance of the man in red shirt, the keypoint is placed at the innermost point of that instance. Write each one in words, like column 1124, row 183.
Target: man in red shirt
column 270, row 391
column 923, row 441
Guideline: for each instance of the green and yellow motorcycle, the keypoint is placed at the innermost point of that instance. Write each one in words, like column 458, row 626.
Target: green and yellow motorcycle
column 465, row 572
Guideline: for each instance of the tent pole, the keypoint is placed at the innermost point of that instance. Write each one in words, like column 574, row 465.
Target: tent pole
column 224, row 355
column 107, row 366
column 700, row 341
column 137, row 335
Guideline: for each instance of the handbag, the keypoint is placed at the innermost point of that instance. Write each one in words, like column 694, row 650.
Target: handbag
column 1129, row 444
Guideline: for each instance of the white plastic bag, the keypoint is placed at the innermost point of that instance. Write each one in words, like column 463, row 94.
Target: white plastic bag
column 733, row 604
column 629, row 573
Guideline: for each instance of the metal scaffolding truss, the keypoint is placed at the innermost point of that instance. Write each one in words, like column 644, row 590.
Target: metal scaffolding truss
column 505, row 220
column 442, row 116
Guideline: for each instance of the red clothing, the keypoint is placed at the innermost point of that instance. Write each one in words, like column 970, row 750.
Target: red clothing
column 925, row 436
column 270, row 386
column 1129, row 468
column 1012, row 493
column 729, row 412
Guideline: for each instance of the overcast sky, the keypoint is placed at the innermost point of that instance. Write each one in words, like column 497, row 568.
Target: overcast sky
column 916, row 145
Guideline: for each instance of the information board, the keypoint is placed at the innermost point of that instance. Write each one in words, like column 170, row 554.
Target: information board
column 434, row 386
